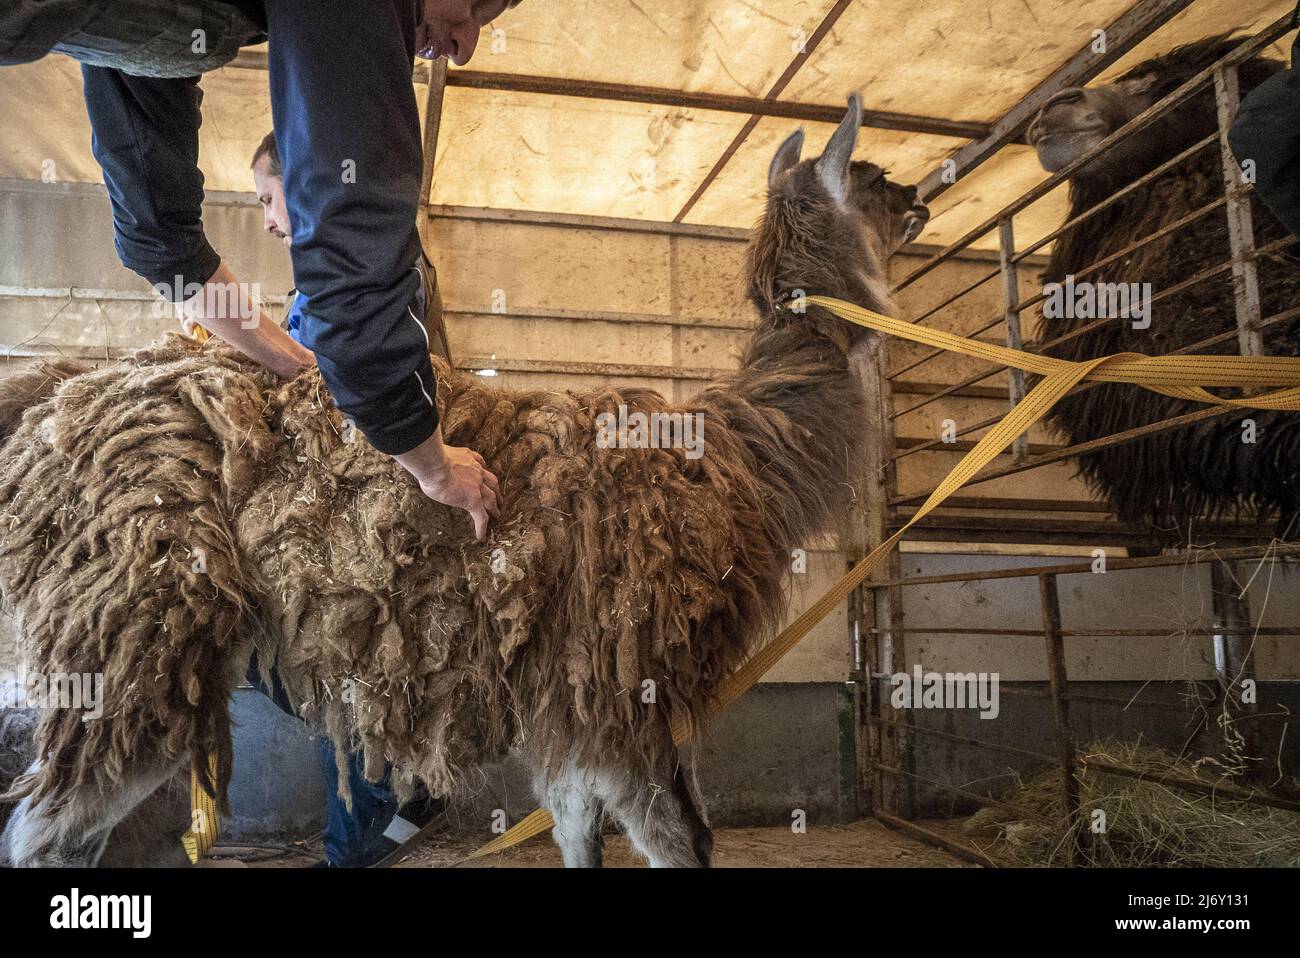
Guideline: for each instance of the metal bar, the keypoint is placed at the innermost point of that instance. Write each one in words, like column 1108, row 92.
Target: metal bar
column 1208, row 273
column 967, row 445
column 1028, row 505
column 964, row 792
column 1241, row 229
column 1056, row 680
column 1069, row 452
column 777, row 89
column 1103, row 529
column 1011, row 299
column 1234, row 661
column 1124, row 33
column 967, row 740
column 929, row 389
column 662, row 96
column 719, row 102
column 959, row 294
column 1231, row 792
column 954, row 529
column 1244, row 51
column 1274, row 550
column 1115, row 197
column 962, row 851
column 1207, row 627
column 1106, row 699
column 1086, row 271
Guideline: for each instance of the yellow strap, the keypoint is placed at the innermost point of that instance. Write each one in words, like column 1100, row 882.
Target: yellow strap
column 1183, row 377
column 205, row 820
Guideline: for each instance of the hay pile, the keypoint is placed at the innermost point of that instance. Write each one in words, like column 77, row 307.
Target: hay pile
column 168, row 513
column 1147, row 823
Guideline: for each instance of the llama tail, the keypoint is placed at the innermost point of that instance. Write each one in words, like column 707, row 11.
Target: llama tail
column 33, row 383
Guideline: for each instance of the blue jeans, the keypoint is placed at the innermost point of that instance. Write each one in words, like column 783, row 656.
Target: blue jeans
column 373, row 803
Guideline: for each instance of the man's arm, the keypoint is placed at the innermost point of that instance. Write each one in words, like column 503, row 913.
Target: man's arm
column 146, row 139
column 348, row 132
column 226, row 308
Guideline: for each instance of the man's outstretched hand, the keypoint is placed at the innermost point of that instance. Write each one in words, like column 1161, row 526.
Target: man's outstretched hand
column 454, row 476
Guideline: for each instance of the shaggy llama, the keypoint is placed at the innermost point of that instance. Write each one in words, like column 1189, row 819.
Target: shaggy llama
column 1175, row 477
column 167, row 515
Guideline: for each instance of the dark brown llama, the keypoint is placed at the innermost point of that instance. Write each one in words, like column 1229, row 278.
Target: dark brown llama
column 1175, row 477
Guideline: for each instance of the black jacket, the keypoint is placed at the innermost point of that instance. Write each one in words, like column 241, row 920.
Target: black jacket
column 348, row 133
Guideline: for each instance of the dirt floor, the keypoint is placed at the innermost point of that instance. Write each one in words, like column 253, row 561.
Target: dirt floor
column 865, row 844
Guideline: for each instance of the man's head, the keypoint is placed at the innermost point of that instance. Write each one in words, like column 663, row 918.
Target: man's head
column 450, row 28
column 268, row 178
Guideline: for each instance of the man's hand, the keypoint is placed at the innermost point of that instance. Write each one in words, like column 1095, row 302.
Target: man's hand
column 225, row 308
column 454, row 476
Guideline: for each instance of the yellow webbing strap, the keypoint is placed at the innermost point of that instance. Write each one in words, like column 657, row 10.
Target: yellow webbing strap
column 205, row 820
column 1183, row 377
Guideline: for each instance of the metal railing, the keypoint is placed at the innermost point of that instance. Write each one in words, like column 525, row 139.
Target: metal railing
column 878, row 634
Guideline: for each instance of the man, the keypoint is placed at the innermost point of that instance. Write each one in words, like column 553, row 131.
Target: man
column 1266, row 133
column 348, row 132
column 349, row 136
column 374, row 831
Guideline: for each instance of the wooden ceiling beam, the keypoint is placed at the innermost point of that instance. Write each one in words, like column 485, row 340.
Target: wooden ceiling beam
column 681, row 99
column 823, row 28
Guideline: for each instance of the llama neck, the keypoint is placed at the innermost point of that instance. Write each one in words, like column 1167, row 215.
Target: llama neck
column 797, row 408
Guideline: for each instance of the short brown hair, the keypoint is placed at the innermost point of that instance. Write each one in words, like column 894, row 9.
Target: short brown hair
column 268, row 149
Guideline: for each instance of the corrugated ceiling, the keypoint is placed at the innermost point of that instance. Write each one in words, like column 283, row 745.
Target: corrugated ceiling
column 967, row 60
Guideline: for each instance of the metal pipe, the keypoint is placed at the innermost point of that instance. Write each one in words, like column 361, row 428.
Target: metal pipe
column 934, row 838
column 1011, row 301
column 1241, row 229
column 1277, row 550
column 1056, row 679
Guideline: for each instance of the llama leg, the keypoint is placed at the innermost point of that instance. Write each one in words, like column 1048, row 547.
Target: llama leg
column 659, row 813
column 75, row 833
column 570, row 796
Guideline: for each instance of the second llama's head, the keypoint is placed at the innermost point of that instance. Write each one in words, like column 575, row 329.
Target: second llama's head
column 830, row 225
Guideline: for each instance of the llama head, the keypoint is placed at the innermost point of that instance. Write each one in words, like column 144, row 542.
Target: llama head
column 1076, row 120
column 831, row 223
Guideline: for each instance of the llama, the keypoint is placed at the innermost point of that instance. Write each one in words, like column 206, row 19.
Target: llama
column 147, row 837
column 167, row 515
column 1175, row 477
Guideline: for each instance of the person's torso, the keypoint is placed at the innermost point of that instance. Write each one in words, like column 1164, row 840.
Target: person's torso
column 427, row 306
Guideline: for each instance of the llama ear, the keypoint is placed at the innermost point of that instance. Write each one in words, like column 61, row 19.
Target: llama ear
column 833, row 164
column 787, row 155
